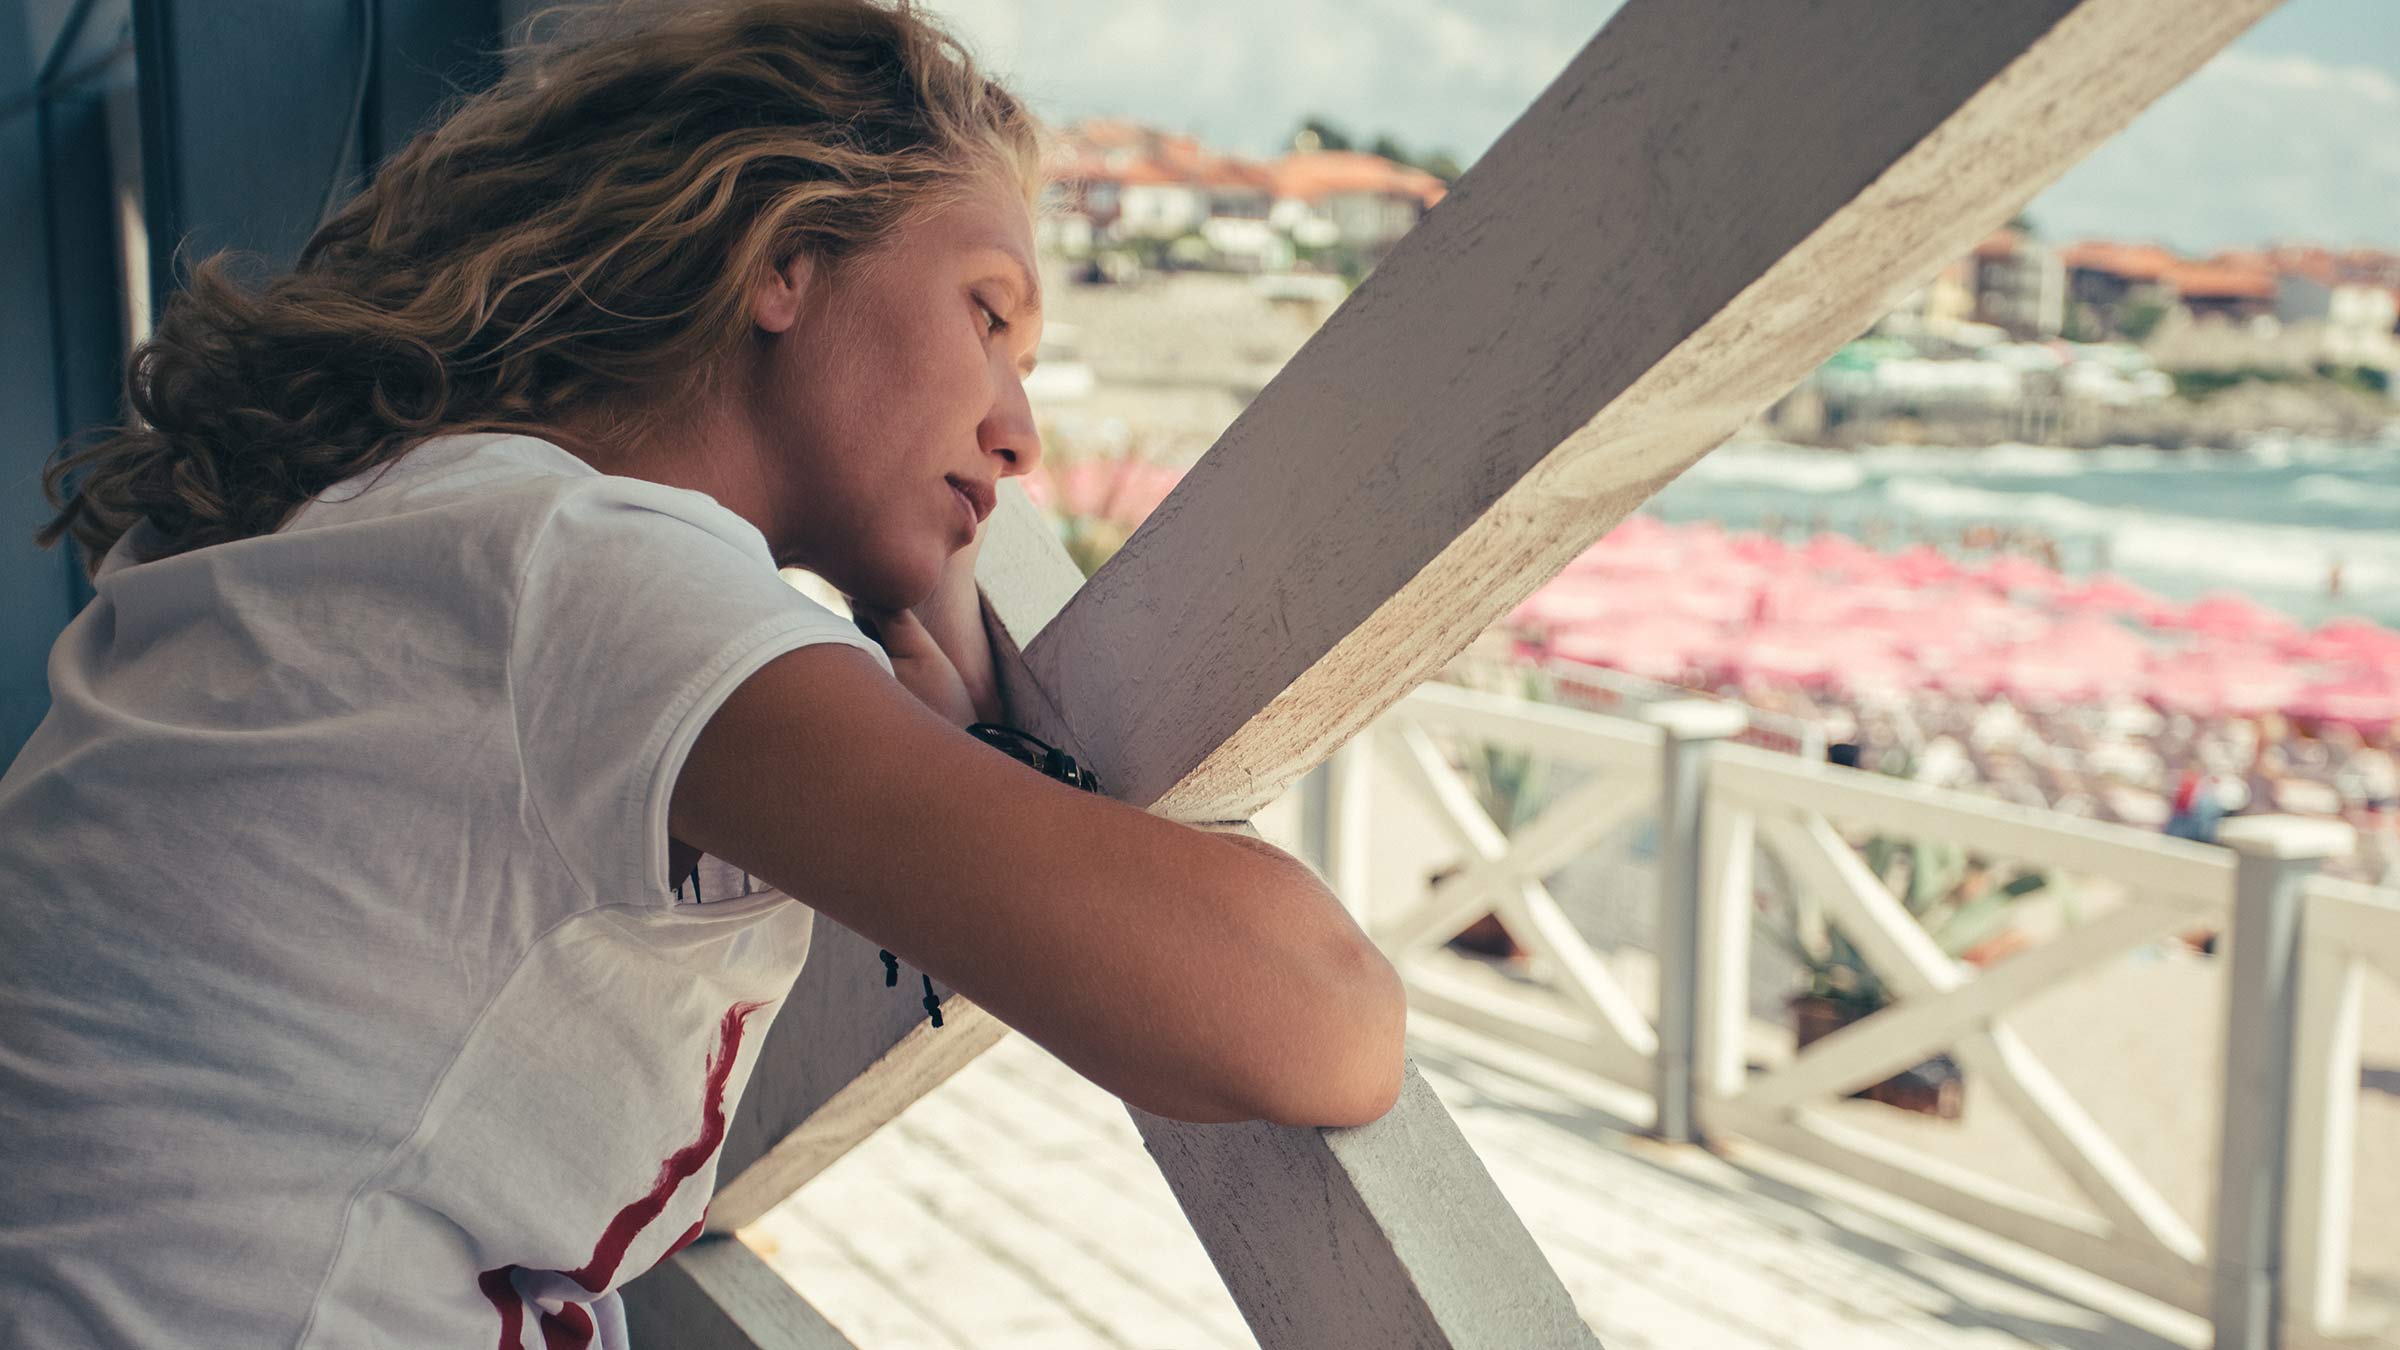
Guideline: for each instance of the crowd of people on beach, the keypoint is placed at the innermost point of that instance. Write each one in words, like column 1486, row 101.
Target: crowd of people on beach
column 2002, row 675
column 1978, row 663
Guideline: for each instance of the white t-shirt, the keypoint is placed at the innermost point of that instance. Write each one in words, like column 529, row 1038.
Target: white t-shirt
column 343, row 997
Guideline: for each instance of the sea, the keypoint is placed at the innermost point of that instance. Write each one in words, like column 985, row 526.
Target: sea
column 2309, row 527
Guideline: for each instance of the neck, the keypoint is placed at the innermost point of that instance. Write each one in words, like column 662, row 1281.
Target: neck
column 700, row 447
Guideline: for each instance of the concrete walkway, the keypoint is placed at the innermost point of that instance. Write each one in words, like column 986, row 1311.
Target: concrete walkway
column 1015, row 1207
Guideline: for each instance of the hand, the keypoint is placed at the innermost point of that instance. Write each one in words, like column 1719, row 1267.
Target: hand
column 953, row 615
column 922, row 667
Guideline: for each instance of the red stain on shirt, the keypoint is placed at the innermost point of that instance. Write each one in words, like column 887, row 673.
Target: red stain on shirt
column 502, row 1291
column 571, row 1328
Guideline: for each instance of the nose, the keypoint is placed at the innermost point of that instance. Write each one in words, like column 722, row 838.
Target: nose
column 1009, row 431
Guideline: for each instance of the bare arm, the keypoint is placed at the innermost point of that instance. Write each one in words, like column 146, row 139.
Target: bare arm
column 1195, row 977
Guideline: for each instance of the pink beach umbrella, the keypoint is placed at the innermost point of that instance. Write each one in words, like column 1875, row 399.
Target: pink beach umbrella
column 1838, row 553
column 2366, row 699
column 1762, row 549
column 2015, row 572
column 2223, row 614
column 2221, row 683
column 2346, row 642
column 1921, row 565
column 2109, row 593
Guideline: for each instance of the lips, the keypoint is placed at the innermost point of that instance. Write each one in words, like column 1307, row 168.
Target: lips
column 981, row 497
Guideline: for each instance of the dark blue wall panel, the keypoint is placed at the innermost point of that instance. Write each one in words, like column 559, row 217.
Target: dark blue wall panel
column 242, row 105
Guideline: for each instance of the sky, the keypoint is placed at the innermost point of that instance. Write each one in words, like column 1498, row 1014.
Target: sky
column 2292, row 134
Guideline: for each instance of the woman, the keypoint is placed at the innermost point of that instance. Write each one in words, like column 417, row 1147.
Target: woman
column 348, row 993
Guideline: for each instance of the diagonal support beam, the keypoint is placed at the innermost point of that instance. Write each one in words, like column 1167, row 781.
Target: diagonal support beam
column 1366, row 1239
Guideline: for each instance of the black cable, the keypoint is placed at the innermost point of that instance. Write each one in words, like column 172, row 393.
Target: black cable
column 367, row 19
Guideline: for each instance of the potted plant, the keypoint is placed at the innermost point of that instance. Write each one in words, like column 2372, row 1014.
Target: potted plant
column 1963, row 903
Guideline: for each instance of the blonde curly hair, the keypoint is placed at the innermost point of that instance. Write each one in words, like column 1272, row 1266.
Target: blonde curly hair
column 583, row 235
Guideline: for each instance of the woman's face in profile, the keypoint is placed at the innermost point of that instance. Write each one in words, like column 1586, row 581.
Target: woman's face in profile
column 889, row 396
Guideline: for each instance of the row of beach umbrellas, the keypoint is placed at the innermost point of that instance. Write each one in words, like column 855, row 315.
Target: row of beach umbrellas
column 1697, row 604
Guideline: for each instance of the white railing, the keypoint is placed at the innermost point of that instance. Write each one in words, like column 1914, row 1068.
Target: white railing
column 2299, row 947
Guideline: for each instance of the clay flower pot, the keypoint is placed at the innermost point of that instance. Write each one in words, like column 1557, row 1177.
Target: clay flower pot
column 1933, row 1088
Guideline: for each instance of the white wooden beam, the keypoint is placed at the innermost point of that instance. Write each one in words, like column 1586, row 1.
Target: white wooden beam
column 1710, row 199
column 2324, row 1130
column 1728, row 908
column 718, row 1295
column 2147, row 861
column 1406, row 1242
column 1568, row 735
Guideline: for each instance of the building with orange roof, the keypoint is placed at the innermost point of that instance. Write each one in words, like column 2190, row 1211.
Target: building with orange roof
column 1115, row 181
column 2237, row 291
column 1350, row 198
column 2110, row 283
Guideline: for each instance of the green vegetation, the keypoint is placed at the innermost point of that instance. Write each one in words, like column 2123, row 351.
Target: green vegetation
column 2140, row 318
column 2197, row 385
column 2363, row 379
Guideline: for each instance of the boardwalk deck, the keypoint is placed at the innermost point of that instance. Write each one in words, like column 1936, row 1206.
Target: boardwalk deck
column 1013, row 1207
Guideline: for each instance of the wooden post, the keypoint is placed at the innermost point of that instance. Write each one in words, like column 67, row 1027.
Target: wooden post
column 2275, row 856
column 1688, row 727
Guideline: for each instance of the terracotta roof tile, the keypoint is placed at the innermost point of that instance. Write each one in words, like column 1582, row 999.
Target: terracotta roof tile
column 2134, row 262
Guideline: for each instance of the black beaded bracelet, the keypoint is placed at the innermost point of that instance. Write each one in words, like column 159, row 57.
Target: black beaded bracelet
column 1027, row 748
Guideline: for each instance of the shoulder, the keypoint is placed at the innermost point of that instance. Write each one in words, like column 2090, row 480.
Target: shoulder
column 525, row 495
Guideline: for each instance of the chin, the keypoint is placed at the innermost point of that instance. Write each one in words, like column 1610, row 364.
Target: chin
column 902, row 586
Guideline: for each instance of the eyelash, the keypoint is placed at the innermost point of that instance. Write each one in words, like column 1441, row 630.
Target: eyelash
column 997, row 324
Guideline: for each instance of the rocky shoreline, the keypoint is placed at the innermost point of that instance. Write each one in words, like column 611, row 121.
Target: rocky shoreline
column 2227, row 420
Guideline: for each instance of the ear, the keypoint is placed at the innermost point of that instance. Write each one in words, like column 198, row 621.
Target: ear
column 776, row 301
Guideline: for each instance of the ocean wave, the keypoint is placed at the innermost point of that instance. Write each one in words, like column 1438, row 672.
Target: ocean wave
column 2294, row 559
column 1999, row 461
column 2333, row 489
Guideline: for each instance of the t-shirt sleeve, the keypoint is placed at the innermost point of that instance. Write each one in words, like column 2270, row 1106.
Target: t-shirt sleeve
column 641, row 608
